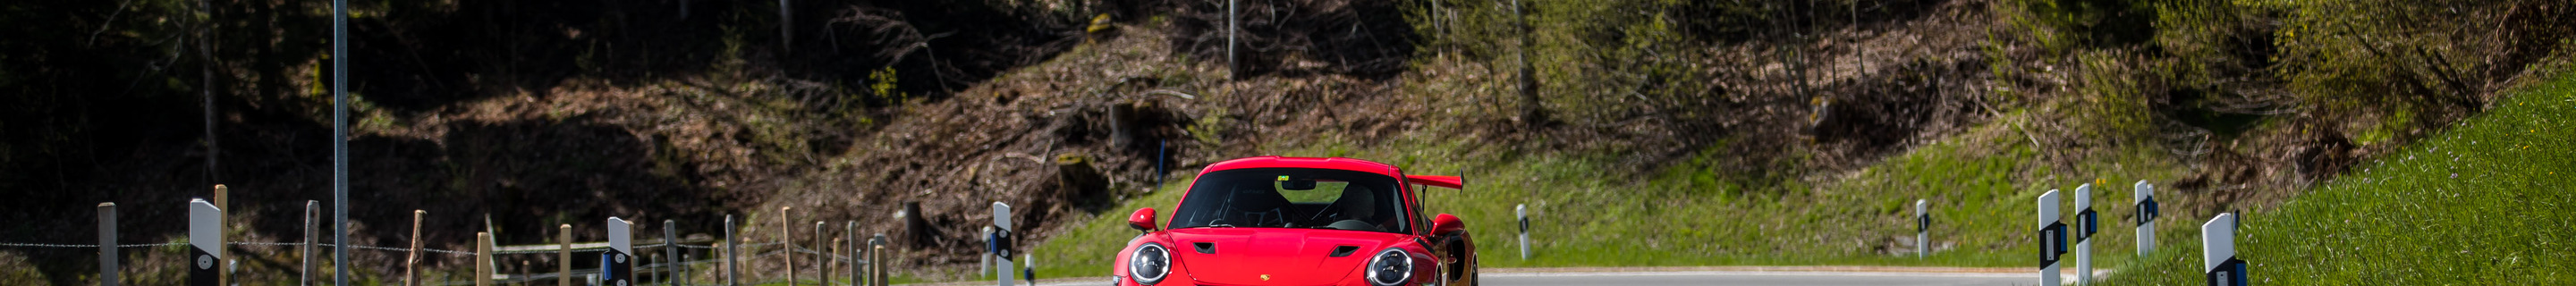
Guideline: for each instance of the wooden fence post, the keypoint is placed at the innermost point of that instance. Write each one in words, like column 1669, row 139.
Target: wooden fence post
column 222, row 196
column 483, row 259
column 784, row 230
column 826, row 274
column 850, row 229
column 876, row 260
column 107, row 255
column 563, row 256
column 822, row 257
column 411, row 262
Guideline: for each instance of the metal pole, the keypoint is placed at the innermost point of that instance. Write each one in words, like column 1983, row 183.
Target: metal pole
column 107, row 244
column 312, row 234
column 731, row 246
column 340, row 142
column 850, row 230
column 987, row 267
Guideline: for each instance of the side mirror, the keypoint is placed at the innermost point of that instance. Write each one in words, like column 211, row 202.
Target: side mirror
column 1143, row 220
column 1446, row 224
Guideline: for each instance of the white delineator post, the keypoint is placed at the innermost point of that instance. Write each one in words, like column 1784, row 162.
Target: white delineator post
column 617, row 266
column 206, row 243
column 2146, row 214
column 2218, row 252
column 1522, row 211
column 2052, row 239
column 1922, row 229
column 2086, row 223
column 1001, row 246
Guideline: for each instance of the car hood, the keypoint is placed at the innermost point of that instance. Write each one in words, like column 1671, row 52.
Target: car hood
column 1288, row 256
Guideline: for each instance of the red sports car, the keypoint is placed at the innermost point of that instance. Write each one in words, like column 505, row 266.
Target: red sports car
column 1300, row 221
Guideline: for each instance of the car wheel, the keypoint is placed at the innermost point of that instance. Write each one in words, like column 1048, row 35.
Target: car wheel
column 1475, row 276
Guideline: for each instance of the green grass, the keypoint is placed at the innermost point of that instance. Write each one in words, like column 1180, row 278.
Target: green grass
column 1981, row 186
column 2486, row 203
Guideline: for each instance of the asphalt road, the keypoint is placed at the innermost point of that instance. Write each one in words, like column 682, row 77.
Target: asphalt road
column 1720, row 276
column 1728, row 278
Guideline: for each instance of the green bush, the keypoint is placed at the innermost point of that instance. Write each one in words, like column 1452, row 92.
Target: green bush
column 2440, row 57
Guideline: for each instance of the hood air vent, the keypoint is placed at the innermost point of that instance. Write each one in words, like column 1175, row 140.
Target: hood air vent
column 1345, row 250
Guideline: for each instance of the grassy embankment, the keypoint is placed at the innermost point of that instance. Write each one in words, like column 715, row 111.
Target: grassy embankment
column 2483, row 203
column 1981, row 188
column 1589, row 211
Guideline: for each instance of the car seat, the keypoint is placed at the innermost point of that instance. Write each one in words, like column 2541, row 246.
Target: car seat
column 1257, row 203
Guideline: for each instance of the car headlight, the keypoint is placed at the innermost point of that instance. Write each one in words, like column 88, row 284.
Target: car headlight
column 1390, row 267
column 1149, row 264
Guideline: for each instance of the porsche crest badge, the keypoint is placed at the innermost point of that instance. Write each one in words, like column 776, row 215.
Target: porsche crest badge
column 1265, row 277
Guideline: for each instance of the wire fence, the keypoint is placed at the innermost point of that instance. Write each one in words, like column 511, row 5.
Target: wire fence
column 685, row 270
column 669, row 261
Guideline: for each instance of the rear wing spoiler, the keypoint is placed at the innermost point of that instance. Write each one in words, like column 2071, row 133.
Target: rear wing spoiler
column 1452, row 182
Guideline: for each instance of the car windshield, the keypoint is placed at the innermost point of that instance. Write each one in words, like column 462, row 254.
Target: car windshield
column 1293, row 198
